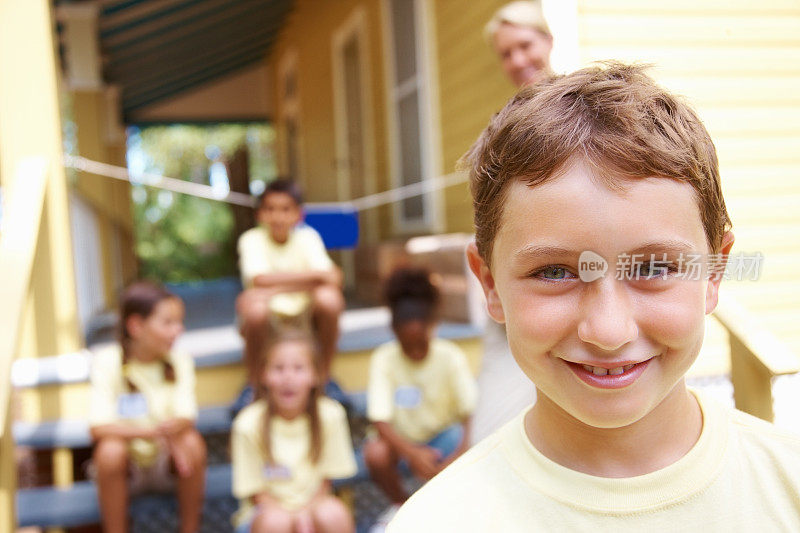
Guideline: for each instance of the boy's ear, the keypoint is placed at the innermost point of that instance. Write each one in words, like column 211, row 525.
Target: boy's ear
column 484, row 275
column 716, row 272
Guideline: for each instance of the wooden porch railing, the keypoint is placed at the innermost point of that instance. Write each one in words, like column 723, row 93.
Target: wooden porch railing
column 757, row 357
column 19, row 233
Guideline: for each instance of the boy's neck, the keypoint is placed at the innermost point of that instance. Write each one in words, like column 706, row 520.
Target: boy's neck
column 281, row 239
column 659, row 439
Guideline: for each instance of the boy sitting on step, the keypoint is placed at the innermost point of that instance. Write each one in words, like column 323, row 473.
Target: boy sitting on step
column 288, row 277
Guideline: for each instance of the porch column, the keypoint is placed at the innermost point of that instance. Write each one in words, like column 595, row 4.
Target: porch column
column 30, row 126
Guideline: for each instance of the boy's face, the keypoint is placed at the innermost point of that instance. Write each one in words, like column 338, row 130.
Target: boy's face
column 607, row 351
column 414, row 337
column 279, row 213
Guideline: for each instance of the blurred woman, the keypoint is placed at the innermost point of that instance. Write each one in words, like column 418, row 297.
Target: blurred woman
column 522, row 40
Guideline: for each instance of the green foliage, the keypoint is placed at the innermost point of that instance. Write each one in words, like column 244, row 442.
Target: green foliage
column 180, row 237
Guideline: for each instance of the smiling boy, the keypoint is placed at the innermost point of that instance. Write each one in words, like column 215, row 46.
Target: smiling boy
column 605, row 163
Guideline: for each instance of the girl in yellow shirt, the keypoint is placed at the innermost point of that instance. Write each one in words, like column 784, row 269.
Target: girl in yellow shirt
column 143, row 410
column 287, row 445
column 421, row 392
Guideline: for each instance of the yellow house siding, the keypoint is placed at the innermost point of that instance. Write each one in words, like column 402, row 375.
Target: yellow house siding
column 471, row 88
column 738, row 63
column 308, row 32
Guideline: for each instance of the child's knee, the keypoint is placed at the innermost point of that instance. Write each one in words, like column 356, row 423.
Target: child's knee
column 196, row 446
column 378, row 454
column 110, row 456
column 257, row 314
column 328, row 300
column 252, row 310
column 272, row 519
column 330, row 514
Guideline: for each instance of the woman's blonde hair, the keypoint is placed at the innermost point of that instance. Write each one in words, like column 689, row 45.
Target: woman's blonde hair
column 525, row 13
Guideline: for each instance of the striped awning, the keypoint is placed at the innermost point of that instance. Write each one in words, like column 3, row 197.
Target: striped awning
column 156, row 49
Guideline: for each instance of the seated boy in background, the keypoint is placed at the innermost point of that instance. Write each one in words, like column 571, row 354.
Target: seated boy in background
column 286, row 273
column 593, row 193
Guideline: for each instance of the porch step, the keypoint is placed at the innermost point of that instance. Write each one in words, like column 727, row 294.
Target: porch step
column 219, row 345
column 57, row 387
column 77, row 505
column 75, row 433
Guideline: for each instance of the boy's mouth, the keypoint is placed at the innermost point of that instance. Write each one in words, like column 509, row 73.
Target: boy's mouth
column 604, row 377
column 600, row 371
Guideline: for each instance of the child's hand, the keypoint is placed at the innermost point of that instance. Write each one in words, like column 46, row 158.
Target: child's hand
column 170, row 428
column 424, row 461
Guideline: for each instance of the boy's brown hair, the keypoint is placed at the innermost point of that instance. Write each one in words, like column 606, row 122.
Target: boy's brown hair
column 617, row 120
column 284, row 186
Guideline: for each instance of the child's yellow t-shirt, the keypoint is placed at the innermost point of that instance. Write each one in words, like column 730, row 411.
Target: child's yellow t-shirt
column 302, row 252
column 420, row 398
column 155, row 400
column 743, row 474
column 293, row 479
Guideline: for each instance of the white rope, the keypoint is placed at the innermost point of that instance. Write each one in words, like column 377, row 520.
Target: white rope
column 206, row 191
column 155, row 180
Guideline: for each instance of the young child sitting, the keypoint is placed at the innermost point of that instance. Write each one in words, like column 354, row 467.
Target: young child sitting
column 288, row 445
column 421, row 392
column 593, row 194
column 143, row 409
column 286, row 272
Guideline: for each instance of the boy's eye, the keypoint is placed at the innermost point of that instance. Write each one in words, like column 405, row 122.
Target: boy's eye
column 653, row 269
column 553, row 272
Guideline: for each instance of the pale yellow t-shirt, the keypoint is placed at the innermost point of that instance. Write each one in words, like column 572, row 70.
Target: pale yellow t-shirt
column 293, row 480
column 303, row 251
column 420, row 398
column 742, row 475
column 156, row 401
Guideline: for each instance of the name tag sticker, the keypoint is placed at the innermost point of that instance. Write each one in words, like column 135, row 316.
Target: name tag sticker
column 277, row 472
column 132, row 405
column 407, row 397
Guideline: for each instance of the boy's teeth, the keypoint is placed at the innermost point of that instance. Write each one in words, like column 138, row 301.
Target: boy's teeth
column 598, row 371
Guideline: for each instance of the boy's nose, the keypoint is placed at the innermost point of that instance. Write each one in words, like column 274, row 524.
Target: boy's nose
column 607, row 319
